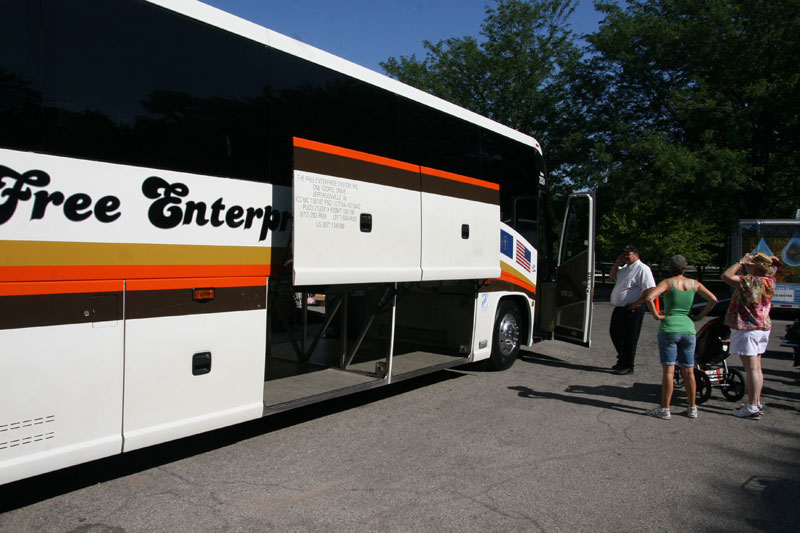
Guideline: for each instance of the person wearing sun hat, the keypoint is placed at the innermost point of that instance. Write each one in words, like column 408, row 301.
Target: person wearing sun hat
column 748, row 318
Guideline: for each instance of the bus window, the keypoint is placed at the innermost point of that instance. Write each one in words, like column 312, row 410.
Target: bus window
column 526, row 217
column 574, row 242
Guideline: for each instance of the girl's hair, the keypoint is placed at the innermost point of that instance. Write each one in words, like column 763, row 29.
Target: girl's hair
column 677, row 265
column 675, row 271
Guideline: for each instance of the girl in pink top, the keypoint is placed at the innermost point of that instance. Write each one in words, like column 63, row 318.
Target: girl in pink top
column 748, row 318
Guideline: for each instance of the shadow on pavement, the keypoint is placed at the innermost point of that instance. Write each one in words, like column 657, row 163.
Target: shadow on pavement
column 531, row 357
column 768, row 391
column 638, row 392
column 527, row 392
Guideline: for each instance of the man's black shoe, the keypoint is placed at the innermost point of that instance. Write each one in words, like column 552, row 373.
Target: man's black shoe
column 623, row 371
column 617, row 366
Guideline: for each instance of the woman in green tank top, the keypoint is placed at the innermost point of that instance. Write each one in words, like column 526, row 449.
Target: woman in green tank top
column 676, row 335
column 677, row 307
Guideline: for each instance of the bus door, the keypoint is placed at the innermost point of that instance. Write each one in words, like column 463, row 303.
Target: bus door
column 575, row 271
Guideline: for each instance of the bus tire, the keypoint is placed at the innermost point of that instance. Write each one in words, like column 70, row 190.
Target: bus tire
column 505, row 336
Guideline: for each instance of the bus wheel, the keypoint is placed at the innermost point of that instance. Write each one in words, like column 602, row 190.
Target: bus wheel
column 505, row 338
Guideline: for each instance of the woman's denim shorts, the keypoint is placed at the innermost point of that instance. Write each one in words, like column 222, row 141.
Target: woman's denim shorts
column 674, row 346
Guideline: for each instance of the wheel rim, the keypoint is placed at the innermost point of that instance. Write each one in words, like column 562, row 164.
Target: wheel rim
column 508, row 334
column 734, row 386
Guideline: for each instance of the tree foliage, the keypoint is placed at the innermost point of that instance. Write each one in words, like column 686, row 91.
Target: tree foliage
column 511, row 73
column 684, row 115
column 699, row 113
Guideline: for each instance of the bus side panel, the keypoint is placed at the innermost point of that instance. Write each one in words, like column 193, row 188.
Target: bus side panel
column 356, row 217
column 517, row 282
column 200, row 369
column 334, row 251
column 60, row 384
column 460, row 238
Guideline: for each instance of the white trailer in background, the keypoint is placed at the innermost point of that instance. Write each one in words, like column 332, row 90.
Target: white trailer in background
column 778, row 237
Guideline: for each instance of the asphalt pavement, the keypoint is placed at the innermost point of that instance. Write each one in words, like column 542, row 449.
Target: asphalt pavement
column 556, row 443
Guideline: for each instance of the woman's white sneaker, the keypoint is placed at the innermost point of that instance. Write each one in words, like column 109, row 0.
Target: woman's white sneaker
column 747, row 411
column 659, row 412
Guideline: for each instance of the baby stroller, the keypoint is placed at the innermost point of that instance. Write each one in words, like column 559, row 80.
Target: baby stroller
column 710, row 367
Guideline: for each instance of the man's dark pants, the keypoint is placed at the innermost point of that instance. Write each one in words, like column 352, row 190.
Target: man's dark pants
column 624, row 329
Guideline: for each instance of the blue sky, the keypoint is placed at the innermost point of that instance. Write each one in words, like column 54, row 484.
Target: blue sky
column 370, row 31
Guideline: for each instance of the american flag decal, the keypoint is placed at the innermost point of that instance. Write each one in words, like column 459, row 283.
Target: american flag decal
column 523, row 256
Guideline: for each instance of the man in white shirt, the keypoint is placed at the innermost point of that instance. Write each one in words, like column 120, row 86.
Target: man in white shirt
column 632, row 279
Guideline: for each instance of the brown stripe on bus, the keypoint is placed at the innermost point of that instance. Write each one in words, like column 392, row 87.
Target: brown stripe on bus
column 370, row 172
column 179, row 302
column 38, row 310
column 354, row 169
column 461, row 190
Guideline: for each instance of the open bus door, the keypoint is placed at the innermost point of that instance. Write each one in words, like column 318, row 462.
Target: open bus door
column 575, row 271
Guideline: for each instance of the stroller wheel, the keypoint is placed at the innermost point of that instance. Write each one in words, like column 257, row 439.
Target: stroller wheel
column 733, row 387
column 677, row 380
column 703, row 386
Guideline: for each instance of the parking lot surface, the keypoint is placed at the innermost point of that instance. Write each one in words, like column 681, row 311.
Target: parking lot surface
column 556, row 443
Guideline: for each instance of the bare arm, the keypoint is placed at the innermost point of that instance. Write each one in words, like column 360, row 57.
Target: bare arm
column 615, row 267
column 710, row 299
column 649, row 297
column 731, row 276
column 653, row 311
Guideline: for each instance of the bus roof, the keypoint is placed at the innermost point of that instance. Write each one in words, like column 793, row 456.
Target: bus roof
column 221, row 19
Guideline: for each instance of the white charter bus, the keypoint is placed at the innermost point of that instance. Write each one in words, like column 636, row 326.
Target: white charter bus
column 172, row 175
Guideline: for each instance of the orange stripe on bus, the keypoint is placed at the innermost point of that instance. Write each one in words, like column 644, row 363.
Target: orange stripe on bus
column 75, row 287
column 460, row 178
column 370, row 158
column 505, row 276
column 110, row 272
column 354, row 154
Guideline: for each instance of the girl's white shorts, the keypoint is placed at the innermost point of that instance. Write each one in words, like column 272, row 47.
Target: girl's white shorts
column 748, row 341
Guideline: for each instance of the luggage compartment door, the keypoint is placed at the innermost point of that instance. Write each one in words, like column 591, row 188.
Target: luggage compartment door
column 192, row 365
column 460, row 227
column 356, row 217
column 60, row 374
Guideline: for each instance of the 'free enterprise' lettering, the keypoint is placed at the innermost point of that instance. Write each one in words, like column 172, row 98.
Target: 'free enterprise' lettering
column 171, row 206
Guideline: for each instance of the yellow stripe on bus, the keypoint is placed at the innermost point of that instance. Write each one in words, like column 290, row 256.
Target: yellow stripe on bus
column 49, row 253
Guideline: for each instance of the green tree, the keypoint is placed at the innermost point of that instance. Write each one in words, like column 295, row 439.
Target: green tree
column 684, row 115
column 514, row 73
column 696, row 115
